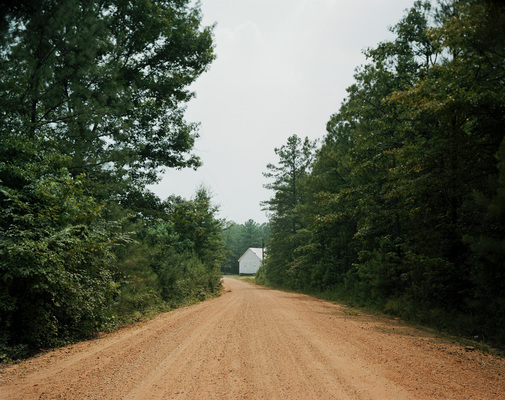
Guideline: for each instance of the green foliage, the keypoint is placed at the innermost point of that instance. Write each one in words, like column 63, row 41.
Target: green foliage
column 55, row 251
column 139, row 286
column 92, row 99
column 199, row 230
column 404, row 205
column 107, row 82
column 288, row 176
column 175, row 258
column 185, row 277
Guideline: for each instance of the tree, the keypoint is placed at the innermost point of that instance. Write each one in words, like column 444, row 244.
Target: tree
column 105, row 83
column 193, row 248
column 175, row 258
column 405, row 205
column 330, row 252
column 354, row 216
column 295, row 159
column 294, row 163
column 92, row 101
column 56, row 251
column 458, row 162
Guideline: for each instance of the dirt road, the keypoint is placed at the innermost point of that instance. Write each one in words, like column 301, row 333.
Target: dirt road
column 256, row 343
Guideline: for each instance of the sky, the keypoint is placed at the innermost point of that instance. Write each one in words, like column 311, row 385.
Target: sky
column 282, row 69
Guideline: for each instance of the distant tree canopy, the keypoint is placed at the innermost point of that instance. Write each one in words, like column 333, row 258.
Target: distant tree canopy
column 92, row 100
column 404, row 203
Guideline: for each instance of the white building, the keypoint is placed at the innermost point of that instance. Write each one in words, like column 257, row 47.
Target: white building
column 250, row 261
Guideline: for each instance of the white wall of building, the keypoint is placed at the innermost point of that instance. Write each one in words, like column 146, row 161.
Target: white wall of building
column 250, row 261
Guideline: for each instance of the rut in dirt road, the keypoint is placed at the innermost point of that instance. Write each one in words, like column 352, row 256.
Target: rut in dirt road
column 256, row 343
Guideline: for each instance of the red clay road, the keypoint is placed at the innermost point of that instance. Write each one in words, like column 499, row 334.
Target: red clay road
column 257, row 343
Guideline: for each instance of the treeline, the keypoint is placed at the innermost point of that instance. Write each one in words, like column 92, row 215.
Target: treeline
column 92, row 101
column 239, row 237
column 402, row 207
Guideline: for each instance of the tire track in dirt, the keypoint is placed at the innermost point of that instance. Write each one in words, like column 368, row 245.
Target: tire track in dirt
column 256, row 343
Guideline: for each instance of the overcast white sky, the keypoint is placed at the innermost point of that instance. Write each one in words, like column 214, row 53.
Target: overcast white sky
column 282, row 68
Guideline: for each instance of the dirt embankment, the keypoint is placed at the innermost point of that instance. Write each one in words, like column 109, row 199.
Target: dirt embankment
column 256, row 343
